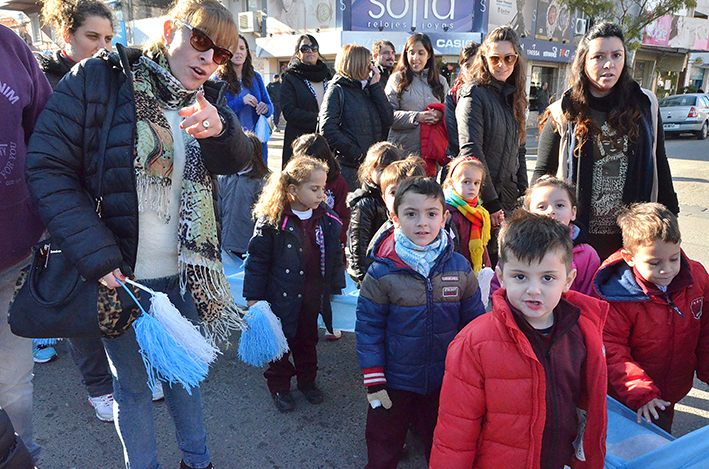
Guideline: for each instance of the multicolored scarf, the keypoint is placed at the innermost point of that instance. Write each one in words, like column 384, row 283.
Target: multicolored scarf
column 420, row 258
column 479, row 219
column 199, row 256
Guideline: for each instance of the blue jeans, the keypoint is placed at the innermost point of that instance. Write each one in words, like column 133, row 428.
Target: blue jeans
column 133, row 399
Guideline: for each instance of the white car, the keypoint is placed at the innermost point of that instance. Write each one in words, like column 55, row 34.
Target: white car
column 685, row 113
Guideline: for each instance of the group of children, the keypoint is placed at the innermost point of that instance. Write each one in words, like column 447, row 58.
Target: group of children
column 525, row 383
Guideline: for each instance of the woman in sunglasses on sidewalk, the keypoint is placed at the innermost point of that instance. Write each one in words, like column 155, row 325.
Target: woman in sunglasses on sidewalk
column 303, row 87
column 141, row 132
column 491, row 115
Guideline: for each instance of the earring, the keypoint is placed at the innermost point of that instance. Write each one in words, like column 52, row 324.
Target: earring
column 167, row 46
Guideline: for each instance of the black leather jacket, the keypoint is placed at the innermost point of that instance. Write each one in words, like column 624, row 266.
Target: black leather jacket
column 368, row 214
column 63, row 172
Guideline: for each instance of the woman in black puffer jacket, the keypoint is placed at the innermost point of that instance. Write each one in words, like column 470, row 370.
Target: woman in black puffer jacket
column 303, row 86
column 355, row 110
column 491, row 115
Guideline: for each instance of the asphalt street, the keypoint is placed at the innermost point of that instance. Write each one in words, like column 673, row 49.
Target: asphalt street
column 244, row 428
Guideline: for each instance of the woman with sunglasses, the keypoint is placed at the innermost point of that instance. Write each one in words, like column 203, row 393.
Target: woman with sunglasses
column 415, row 84
column 491, row 115
column 303, row 87
column 605, row 135
column 246, row 93
column 120, row 170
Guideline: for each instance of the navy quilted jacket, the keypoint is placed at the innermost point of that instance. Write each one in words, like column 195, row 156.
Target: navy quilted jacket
column 406, row 321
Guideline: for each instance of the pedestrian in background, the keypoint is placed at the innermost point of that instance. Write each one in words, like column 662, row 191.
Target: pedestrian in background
column 606, row 138
column 384, row 58
column 86, row 27
column 20, row 228
column 295, row 263
column 355, row 110
column 491, row 115
column 246, row 93
column 156, row 220
column 415, row 84
column 305, row 81
column 543, row 98
column 274, row 91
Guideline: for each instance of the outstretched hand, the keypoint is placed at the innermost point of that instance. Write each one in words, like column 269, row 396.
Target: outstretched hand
column 201, row 119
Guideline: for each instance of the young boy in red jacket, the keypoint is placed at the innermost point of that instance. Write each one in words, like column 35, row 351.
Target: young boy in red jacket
column 656, row 334
column 525, row 386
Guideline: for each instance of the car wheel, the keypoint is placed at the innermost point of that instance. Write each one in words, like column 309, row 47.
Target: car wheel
column 702, row 134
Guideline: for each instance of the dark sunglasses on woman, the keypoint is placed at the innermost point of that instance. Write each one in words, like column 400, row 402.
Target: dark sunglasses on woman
column 202, row 43
column 495, row 60
column 308, row 48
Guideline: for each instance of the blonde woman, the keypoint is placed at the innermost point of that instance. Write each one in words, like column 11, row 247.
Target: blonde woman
column 150, row 211
column 355, row 110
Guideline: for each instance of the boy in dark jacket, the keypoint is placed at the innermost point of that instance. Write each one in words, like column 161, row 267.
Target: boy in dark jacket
column 415, row 298
column 526, row 384
column 657, row 334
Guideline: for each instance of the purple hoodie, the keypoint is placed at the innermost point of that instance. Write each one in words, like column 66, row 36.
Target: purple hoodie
column 23, row 92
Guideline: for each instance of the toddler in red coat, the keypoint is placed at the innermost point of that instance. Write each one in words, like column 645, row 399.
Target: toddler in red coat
column 657, row 334
column 525, row 385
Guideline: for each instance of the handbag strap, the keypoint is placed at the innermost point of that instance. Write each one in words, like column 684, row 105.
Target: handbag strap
column 101, row 156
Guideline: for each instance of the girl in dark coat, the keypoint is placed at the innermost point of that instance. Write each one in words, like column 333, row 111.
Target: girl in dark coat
column 606, row 138
column 491, row 115
column 127, row 211
column 304, row 84
column 355, row 110
column 295, row 263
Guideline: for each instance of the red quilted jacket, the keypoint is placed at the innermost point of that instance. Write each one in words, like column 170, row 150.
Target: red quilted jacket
column 652, row 351
column 434, row 141
column 492, row 409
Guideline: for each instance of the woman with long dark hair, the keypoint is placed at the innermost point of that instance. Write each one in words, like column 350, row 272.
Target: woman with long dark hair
column 125, row 188
column 246, row 93
column 466, row 61
column 606, row 138
column 491, row 115
column 415, row 84
column 303, row 87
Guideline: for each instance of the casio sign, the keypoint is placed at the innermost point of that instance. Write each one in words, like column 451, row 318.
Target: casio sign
column 456, row 43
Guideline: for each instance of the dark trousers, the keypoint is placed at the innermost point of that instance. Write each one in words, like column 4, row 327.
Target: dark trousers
column 386, row 429
column 666, row 417
column 276, row 113
column 90, row 358
column 303, row 348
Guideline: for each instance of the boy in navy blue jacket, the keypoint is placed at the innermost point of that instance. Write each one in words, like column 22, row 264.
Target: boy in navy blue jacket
column 417, row 295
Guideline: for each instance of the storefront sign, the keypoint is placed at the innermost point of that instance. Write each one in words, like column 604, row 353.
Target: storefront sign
column 443, row 43
column 412, row 15
column 678, row 31
column 548, row 51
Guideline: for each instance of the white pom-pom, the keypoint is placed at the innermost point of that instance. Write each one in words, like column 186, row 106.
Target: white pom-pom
column 484, row 279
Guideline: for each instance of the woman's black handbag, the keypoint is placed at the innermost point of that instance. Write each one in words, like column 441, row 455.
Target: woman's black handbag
column 53, row 299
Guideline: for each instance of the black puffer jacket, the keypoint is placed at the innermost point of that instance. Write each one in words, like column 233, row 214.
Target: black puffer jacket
column 275, row 268
column 298, row 104
column 369, row 213
column 54, row 66
column 488, row 131
column 352, row 119
column 63, row 162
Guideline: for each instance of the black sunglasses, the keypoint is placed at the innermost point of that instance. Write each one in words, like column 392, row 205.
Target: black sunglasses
column 308, row 48
column 202, row 43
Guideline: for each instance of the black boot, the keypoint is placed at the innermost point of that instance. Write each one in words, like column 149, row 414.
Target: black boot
column 185, row 466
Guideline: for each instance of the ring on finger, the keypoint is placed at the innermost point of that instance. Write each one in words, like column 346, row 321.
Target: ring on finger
column 205, row 124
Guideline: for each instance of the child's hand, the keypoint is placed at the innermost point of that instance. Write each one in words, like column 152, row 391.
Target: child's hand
column 649, row 409
column 379, row 399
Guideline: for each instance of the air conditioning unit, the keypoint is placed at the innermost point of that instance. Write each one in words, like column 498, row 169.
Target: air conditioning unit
column 581, row 26
column 250, row 22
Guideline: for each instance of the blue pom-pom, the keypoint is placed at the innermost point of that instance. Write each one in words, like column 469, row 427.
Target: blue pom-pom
column 36, row 342
column 264, row 340
column 164, row 358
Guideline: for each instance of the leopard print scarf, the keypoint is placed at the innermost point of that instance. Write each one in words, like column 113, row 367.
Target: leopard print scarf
column 199, row 254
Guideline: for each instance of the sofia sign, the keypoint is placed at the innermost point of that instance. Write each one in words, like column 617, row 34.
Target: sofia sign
column 412, row 15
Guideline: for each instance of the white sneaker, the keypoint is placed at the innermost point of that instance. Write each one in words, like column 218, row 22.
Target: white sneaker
column 103, row 406
column 335, row 335
column 158, row 393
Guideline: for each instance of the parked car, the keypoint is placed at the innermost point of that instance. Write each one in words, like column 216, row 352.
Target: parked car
column 685, row 113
